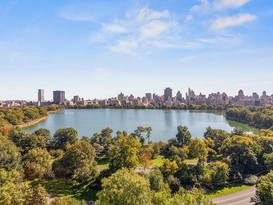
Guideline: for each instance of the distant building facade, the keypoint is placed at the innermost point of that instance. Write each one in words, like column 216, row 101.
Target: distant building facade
column 41, row 96
column 168, row 94
column 148, row 96
column 58, row 97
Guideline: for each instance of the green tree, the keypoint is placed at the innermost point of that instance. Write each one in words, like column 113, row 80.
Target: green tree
column 63, row 137
column 44, row 133
column 194, row 197
column 78, row 163
column 125, row 187
column 27, row 142
column 265, row 189
column 269, row 161
column 37, row 196
column 157, row 183
column 124, row 153
column 183, row 135
column 198, row 149
column 217, row 136
column 67, row 201
column 10, row 156
column 242, row 153
column 13, row 191
column 169, row 167
column 105, row 138
column 219, row 173
column 37, row 163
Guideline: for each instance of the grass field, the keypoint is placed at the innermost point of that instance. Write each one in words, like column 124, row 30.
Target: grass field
column 226, row 190
column 62, row 187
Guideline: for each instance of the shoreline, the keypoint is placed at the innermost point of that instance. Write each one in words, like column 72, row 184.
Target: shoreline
column 34, row 122
column 28, row 124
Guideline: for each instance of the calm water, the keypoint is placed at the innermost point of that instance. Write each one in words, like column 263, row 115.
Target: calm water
column 163, row 122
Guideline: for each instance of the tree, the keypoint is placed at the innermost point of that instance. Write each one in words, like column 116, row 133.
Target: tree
column 37, row 196
column 265, row 189
column 138, row 134
column 37, row 163
column 145, row 158
column 148, row 133
column 64, row 136
column 124, row 153
column 169, row 167
column 10, row 156
column 5, row 130
column 219, row 173
column 183, row 136
column 105, row 138
column 27, row 142
column 195, row 196
column 242, row 153
column 13, row 191
column 125, row 187
column 78, row 163
column 269, row 161
column 217, row 136
column 67, row 201
column 157, row 183
column 198, row 149
column 44, row 133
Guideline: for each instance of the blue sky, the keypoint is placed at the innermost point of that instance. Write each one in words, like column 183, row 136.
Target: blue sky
column 98, row 48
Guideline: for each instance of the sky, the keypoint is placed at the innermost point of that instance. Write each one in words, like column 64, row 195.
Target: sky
column 99, row 48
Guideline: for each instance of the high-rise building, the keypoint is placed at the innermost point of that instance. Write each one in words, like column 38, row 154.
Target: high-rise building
column 121, row 97
column 168, row 93
column 76, row 99
column 179, row 96
column 58, row 97
column 148, row 96
column 241, row 94
column 41, row 96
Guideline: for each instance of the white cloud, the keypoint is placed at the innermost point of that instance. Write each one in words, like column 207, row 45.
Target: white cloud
column 154, row 28
column 189, row 18
column 140, row 31
column 146, row 14
column 114, row 28
column 126, row 46
column 229, row 4
column 231, row 21
column 218, row 5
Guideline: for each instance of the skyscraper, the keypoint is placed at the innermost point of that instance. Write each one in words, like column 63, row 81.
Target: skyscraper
column 41, row 95
column 121, row 97
column 58, row 97
column 149, row 96
column 168, row 93
column 179, row 96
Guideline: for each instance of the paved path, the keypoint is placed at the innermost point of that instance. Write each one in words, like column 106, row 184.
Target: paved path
column 238, row 198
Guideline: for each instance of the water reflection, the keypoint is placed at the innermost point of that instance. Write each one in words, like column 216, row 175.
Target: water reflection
column 163, row 122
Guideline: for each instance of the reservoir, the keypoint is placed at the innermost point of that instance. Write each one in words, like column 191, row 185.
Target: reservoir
column 163, row 122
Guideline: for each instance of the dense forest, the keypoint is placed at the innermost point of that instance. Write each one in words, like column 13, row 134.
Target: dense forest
column 259, row 117
column 21, row 115
column 128, row 168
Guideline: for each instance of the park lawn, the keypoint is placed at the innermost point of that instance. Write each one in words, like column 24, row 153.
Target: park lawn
column 226, row 190
column 103, row 163
column 101, row 167
column 63, row 187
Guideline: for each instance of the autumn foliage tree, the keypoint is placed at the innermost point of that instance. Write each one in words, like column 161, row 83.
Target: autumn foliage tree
column 124, row 153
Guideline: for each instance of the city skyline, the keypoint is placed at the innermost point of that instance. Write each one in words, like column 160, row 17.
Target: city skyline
column 96, row 49
column 48, row 95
